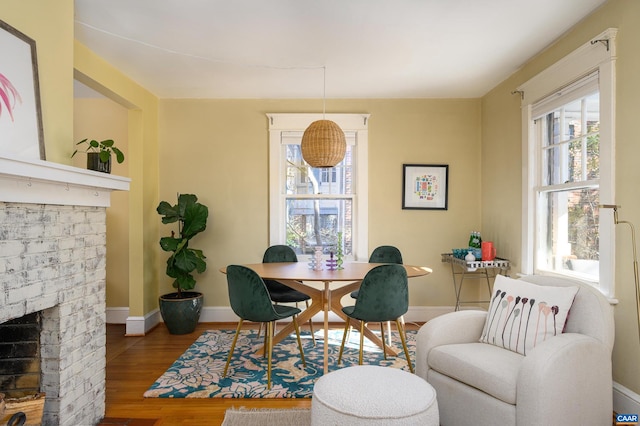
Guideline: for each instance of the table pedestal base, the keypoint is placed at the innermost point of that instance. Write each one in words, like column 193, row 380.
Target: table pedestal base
column 324, row 301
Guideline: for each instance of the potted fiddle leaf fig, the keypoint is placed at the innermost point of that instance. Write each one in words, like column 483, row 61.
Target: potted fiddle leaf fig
column 181, row 309
column 99, row 154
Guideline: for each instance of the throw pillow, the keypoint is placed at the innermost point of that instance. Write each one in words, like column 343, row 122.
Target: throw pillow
column 523, row 315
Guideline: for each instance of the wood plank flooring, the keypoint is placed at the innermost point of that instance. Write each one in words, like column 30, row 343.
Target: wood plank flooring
column 134, row 363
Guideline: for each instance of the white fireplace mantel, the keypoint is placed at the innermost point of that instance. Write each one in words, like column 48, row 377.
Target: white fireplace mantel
column 44, row 182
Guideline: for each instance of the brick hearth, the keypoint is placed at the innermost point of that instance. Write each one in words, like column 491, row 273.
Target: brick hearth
column 52, row 261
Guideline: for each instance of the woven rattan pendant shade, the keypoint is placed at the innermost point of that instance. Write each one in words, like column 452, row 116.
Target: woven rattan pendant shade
column 323, row 144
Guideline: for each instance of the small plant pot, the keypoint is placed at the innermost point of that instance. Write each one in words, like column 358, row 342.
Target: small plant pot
column 94, row 163
column 181, row 315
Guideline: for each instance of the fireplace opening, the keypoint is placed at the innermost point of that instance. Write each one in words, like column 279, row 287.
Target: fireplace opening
column 20, row 368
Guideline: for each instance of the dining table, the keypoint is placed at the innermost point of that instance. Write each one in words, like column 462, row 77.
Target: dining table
column 336, row 284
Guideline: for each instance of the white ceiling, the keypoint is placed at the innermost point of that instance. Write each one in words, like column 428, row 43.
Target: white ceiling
column 275, row 49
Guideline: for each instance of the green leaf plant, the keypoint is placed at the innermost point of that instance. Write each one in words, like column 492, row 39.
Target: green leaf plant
column 105, row 148
column 191, row 217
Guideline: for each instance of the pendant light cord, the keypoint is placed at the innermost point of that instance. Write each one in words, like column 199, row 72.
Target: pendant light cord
column 324, row 90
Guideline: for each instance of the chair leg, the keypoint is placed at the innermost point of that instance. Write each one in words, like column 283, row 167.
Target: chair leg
column 313, row 336
column 404, row 344
column 264, row 346
column 233, row 346
column 295, row 324
column 361, row 342
column 260, row 329
column 270, row 328
column 384, row 346
column 347, row 327
column 403, row 326
column 390, row 334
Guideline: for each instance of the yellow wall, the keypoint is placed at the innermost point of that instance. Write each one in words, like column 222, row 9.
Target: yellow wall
column 104, row 119
column 142, row 158
column 502, row 165
column 222, row 138
column 218, row 150
column 50, row 24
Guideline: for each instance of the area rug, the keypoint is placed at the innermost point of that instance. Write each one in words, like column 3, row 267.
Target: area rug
column 267, row 416
column 198, row 372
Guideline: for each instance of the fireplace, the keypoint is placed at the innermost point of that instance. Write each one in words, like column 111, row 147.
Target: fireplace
column 20, row 356
column 52, row 262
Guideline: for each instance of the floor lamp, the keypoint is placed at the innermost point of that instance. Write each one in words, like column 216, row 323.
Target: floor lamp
column 635, row 257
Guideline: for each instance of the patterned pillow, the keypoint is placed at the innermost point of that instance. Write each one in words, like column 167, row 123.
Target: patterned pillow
column 522, row 314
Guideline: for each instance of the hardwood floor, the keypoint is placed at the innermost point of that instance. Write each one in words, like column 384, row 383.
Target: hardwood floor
column 134, row 363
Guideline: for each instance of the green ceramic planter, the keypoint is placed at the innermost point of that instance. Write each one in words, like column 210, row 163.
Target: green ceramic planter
column 181, row 315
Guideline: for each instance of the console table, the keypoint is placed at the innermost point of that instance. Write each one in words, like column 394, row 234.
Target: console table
column 462, row 270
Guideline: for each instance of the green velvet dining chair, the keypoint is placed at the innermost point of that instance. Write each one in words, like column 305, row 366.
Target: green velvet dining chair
column 250, row 301
column 383, row 296
column 279, row 292
column 384, row 254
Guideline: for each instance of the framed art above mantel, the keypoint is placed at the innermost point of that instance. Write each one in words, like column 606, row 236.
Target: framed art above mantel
column 425, row 186
column 21, row 131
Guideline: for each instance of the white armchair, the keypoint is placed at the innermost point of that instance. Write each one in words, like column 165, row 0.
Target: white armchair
column 566, row 379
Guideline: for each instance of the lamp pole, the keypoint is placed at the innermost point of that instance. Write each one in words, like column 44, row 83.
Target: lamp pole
column 616, row 221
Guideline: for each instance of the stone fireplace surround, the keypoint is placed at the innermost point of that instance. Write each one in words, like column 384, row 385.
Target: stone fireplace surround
column 52, row 260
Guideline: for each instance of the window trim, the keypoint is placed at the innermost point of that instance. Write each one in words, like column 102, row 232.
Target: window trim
column 286, row 122
column 599, row 54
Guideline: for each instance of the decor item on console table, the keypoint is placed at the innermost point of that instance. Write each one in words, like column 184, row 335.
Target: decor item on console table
column 470, row 257
column 181, row 310
column 99, row 154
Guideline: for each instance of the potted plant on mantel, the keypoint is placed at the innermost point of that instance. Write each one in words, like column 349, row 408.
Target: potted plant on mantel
column 180, row 310
column 99, row 154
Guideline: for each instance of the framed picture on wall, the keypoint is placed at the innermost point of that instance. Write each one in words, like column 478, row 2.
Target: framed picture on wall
column 425, row 186
column 21, row 131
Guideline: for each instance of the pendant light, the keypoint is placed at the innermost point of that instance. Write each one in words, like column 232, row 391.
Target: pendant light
column 323, row 142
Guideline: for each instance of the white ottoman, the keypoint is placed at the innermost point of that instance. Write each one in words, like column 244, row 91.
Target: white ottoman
column 372, row 395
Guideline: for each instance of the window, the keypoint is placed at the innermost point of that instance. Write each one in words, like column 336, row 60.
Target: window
column 311, row 206
column 567, row 138
column 569, row 122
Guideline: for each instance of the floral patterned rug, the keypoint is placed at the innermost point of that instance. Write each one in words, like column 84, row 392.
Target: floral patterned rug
column 198, row 372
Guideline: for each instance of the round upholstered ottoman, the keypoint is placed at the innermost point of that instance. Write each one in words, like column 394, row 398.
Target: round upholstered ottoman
column 372, row 395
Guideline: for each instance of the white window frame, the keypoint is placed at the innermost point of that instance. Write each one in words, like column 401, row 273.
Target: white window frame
column 597, row 54
column 286, row 122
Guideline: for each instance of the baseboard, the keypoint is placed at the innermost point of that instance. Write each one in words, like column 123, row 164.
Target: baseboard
column 139, row 326
column 625, row 401
column 117, row 315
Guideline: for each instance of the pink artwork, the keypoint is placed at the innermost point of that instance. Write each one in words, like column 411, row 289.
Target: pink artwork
column 21, row 133
column 8, row 95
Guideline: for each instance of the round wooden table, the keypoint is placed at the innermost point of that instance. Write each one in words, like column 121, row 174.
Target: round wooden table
column 344, row 281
